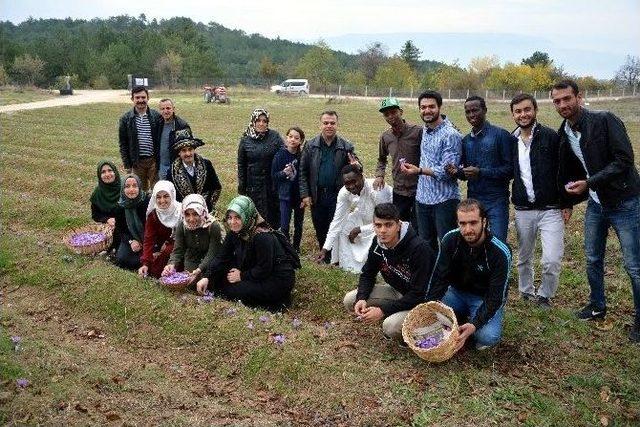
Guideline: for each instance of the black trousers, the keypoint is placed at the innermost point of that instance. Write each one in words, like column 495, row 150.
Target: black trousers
column 273, row 293
column 322, row 212
column 406, row 206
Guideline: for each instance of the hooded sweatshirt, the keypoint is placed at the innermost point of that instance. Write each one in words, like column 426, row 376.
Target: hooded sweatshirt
column 406, row 267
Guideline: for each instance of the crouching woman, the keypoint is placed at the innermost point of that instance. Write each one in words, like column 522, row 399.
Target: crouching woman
column 254, row 266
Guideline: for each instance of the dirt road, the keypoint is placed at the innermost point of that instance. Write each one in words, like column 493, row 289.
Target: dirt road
column 79, row 97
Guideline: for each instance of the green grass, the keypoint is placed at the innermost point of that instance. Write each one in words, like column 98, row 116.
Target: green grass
column 170, row 359
column 14, row 95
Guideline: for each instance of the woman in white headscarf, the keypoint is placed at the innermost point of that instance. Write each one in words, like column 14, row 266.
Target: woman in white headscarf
column 163, row 215
column 198, row 238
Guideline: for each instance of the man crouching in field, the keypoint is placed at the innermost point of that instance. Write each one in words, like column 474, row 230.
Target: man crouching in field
column 405, row 262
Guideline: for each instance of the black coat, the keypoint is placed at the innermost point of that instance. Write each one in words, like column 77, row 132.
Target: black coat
column 544, row 158
column 128, row 137
column 608, row 155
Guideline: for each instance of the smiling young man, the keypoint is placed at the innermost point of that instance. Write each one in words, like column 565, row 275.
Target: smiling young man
column 405, row 262
column 351, row 230
column 402, row 142
column 471, row 276
column 139, row 138
column 597, row 162
column 540, row 205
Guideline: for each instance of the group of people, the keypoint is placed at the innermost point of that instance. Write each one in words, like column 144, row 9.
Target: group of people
column 425, row 241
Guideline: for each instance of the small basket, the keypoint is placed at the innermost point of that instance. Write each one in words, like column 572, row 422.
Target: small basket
column 90, row 249
column 175, row 286
column 425, row 314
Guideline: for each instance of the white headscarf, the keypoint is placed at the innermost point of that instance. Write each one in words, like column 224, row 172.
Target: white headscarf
column 196, row 202
column 171, row 216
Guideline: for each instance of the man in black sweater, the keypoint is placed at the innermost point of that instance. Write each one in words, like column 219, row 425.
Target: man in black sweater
column 471, row 276
column 405, row 262
column 596, row 162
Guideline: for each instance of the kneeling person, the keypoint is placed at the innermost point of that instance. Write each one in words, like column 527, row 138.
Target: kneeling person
column 471, row 276
column 405, row 262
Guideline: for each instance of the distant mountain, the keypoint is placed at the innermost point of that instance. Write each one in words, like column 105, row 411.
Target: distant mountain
column 448, row 47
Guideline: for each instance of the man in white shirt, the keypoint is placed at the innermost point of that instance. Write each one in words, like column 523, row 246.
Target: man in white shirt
column 351, row 230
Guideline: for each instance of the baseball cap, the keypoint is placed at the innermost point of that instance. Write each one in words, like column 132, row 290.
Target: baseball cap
column 389, row 103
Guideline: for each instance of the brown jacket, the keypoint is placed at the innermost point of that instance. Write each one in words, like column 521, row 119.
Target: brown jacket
column 405, row 146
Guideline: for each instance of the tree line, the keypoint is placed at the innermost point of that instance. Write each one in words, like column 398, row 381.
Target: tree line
column 179, row 52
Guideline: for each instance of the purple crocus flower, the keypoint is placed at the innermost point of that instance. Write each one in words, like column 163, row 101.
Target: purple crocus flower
column 279, row 339
column 250, row 324
column 207, row 297
column 327, row 325
column 231, row 311
column 16, row 339
column 264, row 319
column 296, row 323
column 22, row 382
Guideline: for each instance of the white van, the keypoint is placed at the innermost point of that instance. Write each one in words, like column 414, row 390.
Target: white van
column 292, row 86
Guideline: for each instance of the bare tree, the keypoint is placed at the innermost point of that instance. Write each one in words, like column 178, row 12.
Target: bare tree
column 629, row 73
column 370, row 60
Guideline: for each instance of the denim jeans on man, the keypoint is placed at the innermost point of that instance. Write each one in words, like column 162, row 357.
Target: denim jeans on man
column 465, row 305
column 434, row 221
column 497, row 214
column 625, row 220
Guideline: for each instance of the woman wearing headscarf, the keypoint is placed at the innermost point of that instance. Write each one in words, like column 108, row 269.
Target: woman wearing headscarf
column 130, row 222
column 164, row 213
column 258, row 146
column 104, row 199
column 253, row 266
column 198, row 238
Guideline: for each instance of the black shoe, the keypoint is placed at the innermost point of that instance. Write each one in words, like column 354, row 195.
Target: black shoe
column 634, row 334
column 544, row 303
column 526, row 296
column 591, row 312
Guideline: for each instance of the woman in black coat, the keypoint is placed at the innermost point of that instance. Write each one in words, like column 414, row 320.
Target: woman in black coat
column 130, row 221
column 257, row 148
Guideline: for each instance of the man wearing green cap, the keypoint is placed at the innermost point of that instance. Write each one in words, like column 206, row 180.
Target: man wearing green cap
column 402, row 142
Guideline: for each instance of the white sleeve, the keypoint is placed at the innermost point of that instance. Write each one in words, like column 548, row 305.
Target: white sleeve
column 342, row 210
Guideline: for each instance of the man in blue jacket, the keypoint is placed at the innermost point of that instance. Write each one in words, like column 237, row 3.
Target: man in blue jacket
column 596, row 162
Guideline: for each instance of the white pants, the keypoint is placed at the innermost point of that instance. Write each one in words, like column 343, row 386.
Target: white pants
column 392, row 325
column 551, row 227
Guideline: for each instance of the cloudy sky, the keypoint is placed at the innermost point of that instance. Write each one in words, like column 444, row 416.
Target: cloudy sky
column 610, row 27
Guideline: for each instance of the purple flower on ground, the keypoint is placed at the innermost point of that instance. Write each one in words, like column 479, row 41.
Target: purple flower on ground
column 279, row 339
column 22, row 382
column 296, row 323
column 231, row 311
column 250, row 324
column 327, row 325
column 16, row 339
column 264, row 318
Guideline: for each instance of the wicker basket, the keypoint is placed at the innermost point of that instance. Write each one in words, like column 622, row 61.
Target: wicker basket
column 423, row 315
column 93, row 248
column 177, row 286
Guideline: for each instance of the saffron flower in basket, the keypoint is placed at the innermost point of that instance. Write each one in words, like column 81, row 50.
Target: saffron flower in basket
column 87, row 238
column 175, row 278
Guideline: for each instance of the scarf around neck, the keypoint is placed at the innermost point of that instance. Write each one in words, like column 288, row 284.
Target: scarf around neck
column 181, row 178
column 197, row 203
column 105, row 196
column 134, row 223
column 171, row 216
column 251, row 129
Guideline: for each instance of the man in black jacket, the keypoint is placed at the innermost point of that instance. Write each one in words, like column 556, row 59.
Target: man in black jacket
column 405, row 262
column 538, row 200
column 322, row 159
column 596, row 161
column 169, row 124
column 472, row 276
column 139, row 138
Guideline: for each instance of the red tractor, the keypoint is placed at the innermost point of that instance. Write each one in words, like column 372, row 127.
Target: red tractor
column 216, row 94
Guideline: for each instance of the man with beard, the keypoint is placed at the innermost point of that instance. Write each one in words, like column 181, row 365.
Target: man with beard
column 487, row 164
column 139, row 138
column 538, row 201
column 192, row 173
column 404, row 261
column 471, row 276
column 402, row 142
column 437, row 195
column 351, row 229
column 596, row 161
column 169, row 125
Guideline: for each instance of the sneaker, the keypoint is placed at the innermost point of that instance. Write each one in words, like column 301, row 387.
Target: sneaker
column 527, row 296
column 544, row 303
column 591, row 312
column 634, row 334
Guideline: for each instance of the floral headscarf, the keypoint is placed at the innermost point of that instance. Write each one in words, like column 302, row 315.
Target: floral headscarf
column 171, row 216
column 196, row 202
column 251, row 129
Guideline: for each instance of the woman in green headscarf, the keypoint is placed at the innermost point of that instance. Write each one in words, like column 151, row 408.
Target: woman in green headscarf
column 104, row 199
column 130, row 222
column 254, row 265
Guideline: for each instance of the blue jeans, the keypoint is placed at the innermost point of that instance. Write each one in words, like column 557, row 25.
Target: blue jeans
column 625, row 220
column 498, row 215
column 286, row 207
column 465, row 305
column 434, row 221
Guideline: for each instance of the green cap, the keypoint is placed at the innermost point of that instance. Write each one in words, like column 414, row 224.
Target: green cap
column 389, row 103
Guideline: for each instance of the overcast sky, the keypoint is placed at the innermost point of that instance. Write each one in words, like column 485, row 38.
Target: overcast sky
column 608, row 26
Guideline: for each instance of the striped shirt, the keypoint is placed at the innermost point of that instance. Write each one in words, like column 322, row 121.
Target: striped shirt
column 439, row 147
column 145, row 140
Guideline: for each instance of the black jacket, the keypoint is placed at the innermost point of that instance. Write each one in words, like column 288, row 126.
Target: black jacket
column 310, row 165
column 254, row 169
column 608, row 155
column 178, row 124
column 544, row 158
column 406, row 267
column 482, row 271
column 128, row 137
